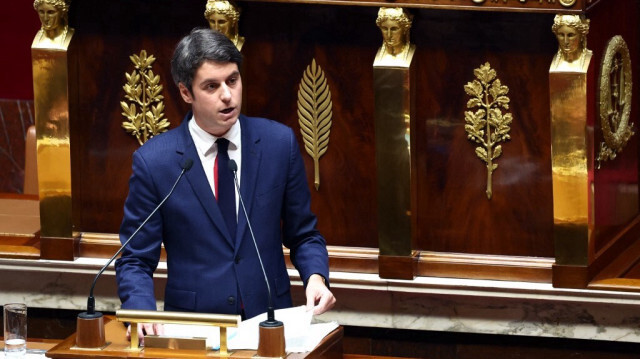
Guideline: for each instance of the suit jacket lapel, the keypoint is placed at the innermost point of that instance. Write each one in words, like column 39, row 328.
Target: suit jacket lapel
column 198, row 180
column 251, row 156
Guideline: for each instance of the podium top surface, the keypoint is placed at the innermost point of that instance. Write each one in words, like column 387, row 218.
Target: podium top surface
column 118, row 347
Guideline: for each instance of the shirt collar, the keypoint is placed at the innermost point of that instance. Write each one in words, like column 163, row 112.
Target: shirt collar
column 204, row 141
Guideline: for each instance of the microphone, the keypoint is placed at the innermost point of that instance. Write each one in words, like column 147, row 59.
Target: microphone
column 91, row 303
column 233, row 167
column 271, row 342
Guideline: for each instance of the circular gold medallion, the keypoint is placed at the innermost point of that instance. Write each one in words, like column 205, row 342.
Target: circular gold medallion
column 567, row 3
column 615, row 98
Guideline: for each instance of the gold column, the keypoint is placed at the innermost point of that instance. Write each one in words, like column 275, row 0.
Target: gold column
column 393, row 100
column 571, row 143
column 51, row 64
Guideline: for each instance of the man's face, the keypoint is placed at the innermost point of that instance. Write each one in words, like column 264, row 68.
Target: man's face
column 49, row 16
column 391, row 34
column 568, row 39
column 220, row 23
column 216, row 97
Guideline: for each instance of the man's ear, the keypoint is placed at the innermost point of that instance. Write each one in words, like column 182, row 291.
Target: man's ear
column 185, row 93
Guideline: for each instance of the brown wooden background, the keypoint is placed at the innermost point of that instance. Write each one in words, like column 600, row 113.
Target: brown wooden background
column 453, row 213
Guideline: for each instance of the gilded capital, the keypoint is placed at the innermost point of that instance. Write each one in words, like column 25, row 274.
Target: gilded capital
column 395, row 26
column 55, row 32
column 571, row 32
column 223, row 16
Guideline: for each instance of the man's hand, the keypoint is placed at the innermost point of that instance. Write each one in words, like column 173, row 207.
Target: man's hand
column 146, row 329
column 319, row 297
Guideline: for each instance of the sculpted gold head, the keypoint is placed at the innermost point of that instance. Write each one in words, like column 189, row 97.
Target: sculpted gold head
column 53, row 17
column 223, row 16
column 571, row 32
column 394, row 23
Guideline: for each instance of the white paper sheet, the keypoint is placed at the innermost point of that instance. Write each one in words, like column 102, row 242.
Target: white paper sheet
column 300, row 335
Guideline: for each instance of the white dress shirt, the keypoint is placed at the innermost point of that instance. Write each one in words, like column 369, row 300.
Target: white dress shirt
column 208, row 150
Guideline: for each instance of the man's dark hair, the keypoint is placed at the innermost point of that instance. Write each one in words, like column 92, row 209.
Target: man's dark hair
column 199, row 46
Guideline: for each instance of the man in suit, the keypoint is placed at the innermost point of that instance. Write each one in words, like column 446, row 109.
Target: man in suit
column 212, row 266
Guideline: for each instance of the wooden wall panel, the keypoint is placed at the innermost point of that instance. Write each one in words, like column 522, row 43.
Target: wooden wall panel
column 277, row 52
column 15, row 118
column 343, row 41
column 102, row 150
column 616, row 182
column 454, row 214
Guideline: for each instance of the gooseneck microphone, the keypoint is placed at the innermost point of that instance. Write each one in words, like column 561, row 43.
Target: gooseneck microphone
column 186, row 165
column 233, row 167
column 90, row 324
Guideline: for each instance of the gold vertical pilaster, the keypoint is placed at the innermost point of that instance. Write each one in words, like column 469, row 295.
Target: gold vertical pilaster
column 570, row 167
column 55, row 98
column 393, row 104
column 571, row 143
column 393, row 159
column 51, row 102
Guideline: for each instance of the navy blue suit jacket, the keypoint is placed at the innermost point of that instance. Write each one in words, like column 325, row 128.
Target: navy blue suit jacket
column 207, row 271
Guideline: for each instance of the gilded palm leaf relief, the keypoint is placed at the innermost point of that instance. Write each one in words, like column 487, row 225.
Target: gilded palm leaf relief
column 314, row 115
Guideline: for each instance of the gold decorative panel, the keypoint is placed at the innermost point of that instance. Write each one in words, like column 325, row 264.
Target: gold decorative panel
column 314, row 115
column 488, row 125
column 615, row 99
column 145, row 111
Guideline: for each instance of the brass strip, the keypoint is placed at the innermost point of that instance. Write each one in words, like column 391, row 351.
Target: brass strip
column 152, row 316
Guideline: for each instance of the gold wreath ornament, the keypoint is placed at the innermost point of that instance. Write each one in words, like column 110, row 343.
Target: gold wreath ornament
column 615, row 99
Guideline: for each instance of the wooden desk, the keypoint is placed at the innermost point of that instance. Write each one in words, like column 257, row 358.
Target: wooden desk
column 19, row 226
column 117, row 347
column 36, row 344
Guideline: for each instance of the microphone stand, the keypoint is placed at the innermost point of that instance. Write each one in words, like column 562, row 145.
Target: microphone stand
column 271, row 342
column 90, row 324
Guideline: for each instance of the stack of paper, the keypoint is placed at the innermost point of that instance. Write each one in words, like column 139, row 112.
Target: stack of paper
column 300, row 335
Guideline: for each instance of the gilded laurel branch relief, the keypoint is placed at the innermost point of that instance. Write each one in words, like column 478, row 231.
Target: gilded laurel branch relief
column 314, row 115
column 615, row 99
column 145, row 111
column 487, row 125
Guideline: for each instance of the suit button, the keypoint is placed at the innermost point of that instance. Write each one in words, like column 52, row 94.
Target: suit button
column 237, row 259
column 231, row 300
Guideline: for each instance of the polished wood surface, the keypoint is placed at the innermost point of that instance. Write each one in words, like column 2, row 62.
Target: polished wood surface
column 616, row 182
column 19, row 226
column 615, row 191
column 449, row 176
column 36, row 346
column 117, row 347
column 522, row 5
column 454, row 225
column 17, row 116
